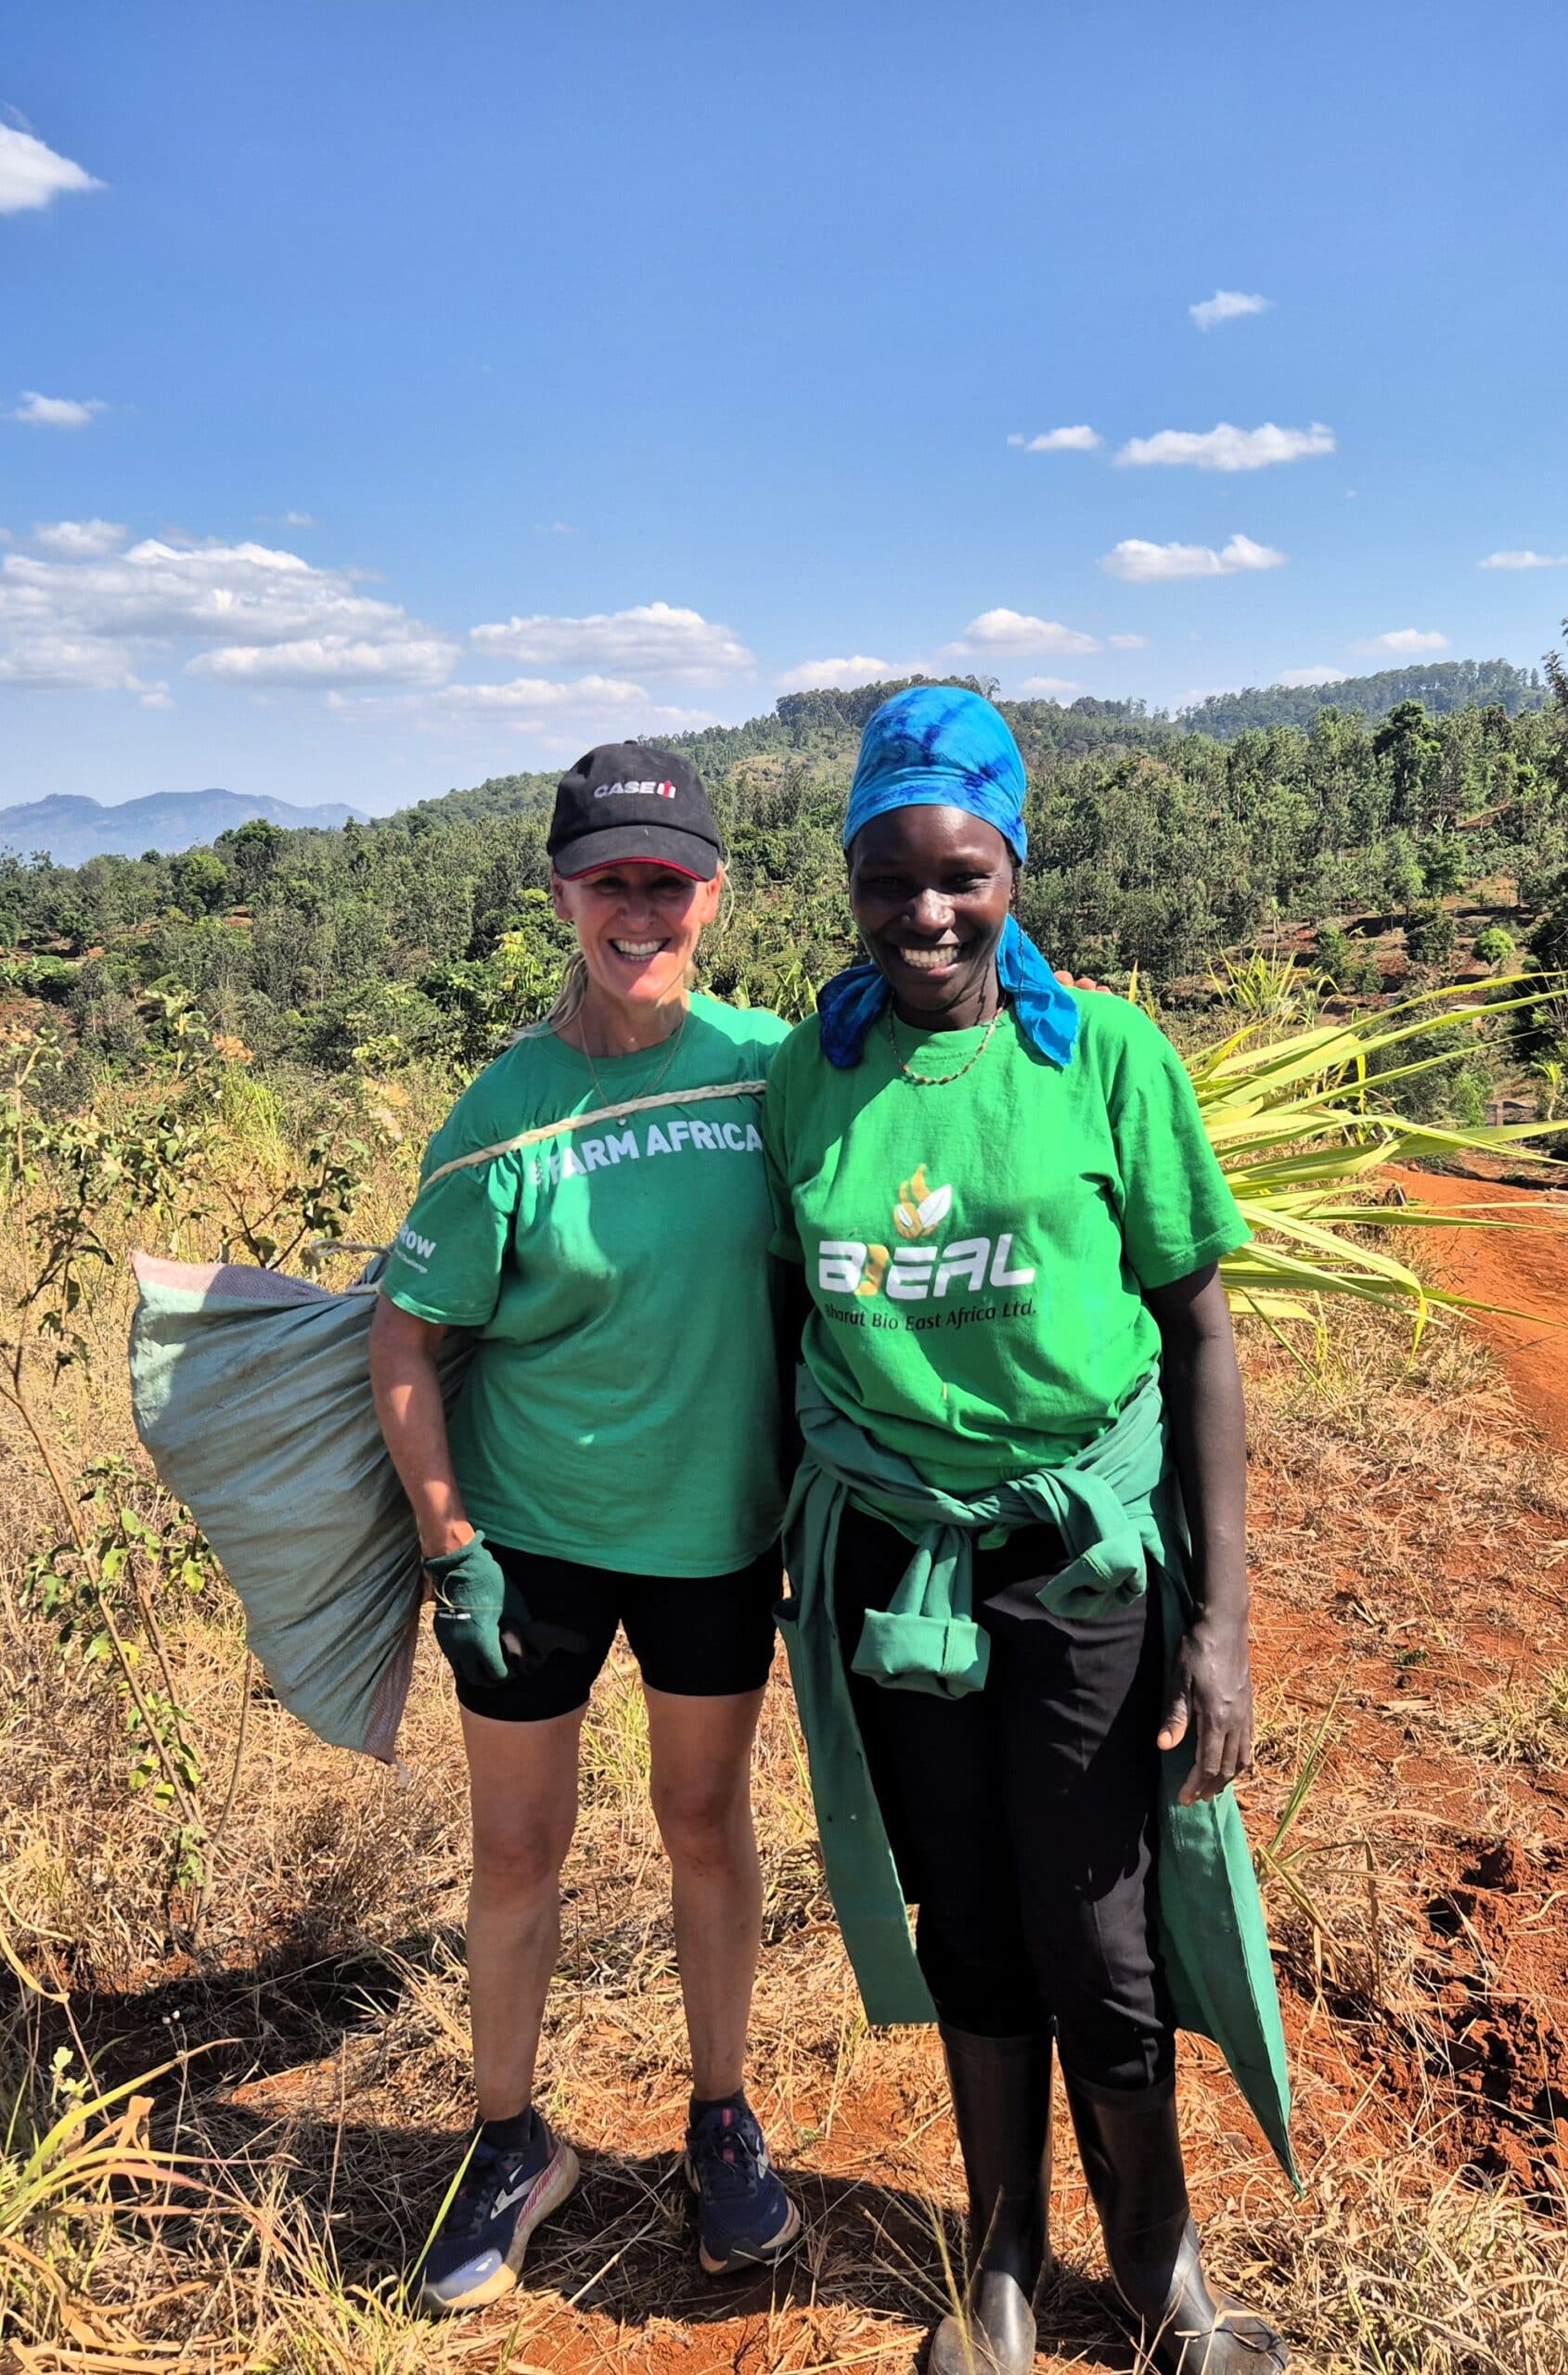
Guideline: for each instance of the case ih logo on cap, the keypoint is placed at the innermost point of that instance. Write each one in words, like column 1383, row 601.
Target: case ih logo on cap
column 635, row 791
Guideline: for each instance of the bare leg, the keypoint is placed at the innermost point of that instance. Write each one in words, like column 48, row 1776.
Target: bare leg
column 700, row 1753
column 523, row 1795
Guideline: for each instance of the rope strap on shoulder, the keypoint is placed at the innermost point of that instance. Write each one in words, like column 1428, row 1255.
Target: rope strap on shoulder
column 588, row 1121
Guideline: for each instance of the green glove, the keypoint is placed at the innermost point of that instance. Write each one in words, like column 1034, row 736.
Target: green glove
column 481, row 1620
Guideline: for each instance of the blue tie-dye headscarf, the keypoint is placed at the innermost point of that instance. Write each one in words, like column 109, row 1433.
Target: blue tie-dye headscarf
column 937, row 746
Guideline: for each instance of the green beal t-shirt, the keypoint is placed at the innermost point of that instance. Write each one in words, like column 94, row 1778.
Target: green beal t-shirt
column 621, row 1410
column 976, row 1253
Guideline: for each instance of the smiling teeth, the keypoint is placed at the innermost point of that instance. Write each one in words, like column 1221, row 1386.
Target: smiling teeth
column 929, row 960
column 636, row 947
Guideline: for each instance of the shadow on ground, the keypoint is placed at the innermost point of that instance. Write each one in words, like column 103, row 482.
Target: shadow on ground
column 290, row 2097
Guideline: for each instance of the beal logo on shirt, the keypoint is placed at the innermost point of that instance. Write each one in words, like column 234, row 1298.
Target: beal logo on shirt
column 918, row 1270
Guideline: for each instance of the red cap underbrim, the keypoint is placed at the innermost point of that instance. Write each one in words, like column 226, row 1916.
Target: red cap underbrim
column 686, row 854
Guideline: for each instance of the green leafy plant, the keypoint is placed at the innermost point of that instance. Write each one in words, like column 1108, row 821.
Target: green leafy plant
column 1295, row 1125
column 1269, row 990
column 99, row 1587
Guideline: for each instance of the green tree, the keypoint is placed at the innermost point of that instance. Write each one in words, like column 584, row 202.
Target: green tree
column 201, row 882
column 1410, row 753
column 251, row 851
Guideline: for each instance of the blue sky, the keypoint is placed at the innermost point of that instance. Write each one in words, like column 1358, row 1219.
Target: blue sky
column 393, row 396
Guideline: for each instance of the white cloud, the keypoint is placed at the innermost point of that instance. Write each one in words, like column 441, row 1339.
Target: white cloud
column 1228, row 448
column 1144, row 564
column 554, row 712
column 52, row 663
column 1129, row 642
column 812, row 675
column 1310, row 676
column 653, row 638
column 55, row 412
column 32, row 174
column 1227, row 306
column 1525, row 559
column 1015, row 633
column 79, row 539
column 270, row 617
column 544, row 693
column 554, row 528
column 403, row 659
column 1081, row 439
column 1045, row 687
column 83, row 609
column 1407, row 642
column 159, row 697
column 222, row 593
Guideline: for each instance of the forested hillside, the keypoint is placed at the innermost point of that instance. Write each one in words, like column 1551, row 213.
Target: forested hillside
column 1380, row 845
column 1440, row 685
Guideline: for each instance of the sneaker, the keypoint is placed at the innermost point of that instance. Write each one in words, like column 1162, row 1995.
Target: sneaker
column 476, row 2252
column 744, row 2216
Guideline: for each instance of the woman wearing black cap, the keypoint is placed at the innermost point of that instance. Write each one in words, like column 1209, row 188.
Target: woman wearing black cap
column 596, row 1209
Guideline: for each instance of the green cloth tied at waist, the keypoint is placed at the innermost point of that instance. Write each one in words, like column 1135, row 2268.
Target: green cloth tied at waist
column 928, row 1639
column 1117, row 1508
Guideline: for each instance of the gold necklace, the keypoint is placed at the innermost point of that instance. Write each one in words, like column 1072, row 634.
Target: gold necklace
column 653, row 1086
column 940, row 1079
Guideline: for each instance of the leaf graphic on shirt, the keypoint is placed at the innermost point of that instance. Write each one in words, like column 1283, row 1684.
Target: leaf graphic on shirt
column 877, row 1259
column 920, row 1207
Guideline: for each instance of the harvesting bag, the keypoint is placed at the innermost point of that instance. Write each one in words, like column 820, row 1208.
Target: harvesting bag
column 251, row 1392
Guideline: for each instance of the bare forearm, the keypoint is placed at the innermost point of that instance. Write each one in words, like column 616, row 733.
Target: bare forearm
column 1203, row 1391
column 1211, row 1672
column 407, row 1385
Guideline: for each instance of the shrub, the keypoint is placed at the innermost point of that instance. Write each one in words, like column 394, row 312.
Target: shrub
column 1494, row 947
column 1348, row 966
column 1548, row 943
column 1430, row 938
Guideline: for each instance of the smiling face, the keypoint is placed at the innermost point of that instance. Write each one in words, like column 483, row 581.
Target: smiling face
column 637, row 927
column 929, row 889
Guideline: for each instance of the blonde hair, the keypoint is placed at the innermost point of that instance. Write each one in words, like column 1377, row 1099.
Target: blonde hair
column 573, row 985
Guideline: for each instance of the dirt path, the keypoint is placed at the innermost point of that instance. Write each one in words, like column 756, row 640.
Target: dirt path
column 1524, row 1268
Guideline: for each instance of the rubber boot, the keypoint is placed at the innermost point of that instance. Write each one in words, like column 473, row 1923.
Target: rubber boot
column 1131, row 2151
column 1002, row 2106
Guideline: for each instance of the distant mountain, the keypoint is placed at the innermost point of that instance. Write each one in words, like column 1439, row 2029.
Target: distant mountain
column 74, row 829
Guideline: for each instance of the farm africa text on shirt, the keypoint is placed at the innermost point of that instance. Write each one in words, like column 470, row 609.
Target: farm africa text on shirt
column 621, row 1410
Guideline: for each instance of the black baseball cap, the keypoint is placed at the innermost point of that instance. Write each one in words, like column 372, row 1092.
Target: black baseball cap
column 628, row 804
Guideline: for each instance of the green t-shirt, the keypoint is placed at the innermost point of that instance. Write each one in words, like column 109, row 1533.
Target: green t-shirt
column 976, row 1253
column 621, row 1410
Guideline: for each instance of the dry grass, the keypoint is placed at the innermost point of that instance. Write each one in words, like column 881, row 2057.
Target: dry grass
column 1522, row 1723
column 1410, row 1540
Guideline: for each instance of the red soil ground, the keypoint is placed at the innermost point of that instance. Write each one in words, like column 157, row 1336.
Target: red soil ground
column 1524, row 1268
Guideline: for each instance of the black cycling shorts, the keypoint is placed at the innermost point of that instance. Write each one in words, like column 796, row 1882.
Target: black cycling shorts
column 699, row 1636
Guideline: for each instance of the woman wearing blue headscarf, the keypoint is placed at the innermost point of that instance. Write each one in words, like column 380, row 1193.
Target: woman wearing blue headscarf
column 1019, row 1616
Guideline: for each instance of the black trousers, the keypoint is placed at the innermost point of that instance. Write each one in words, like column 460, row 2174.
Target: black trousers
column 1023, row 1818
